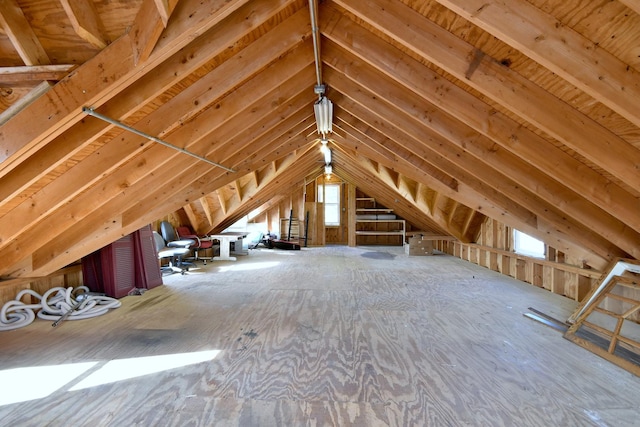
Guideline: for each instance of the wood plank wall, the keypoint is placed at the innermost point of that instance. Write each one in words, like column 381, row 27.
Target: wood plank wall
column 305, row 199
column 69, row 276
column 494, row 250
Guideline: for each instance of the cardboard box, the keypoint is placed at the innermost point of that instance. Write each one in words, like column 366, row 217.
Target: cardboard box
column 419, row 247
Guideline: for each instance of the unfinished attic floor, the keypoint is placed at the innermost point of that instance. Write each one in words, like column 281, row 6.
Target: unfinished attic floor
column 362, row 336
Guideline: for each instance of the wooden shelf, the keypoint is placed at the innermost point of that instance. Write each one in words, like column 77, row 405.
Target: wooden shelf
column 377, row 226
column 380, row 233
column 398, row 232
column 374, row 210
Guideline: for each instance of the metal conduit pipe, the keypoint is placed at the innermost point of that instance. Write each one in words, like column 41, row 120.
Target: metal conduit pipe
column 313, row 10
column 92, row 112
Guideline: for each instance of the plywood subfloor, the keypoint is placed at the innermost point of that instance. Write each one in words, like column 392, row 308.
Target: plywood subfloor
column 324, row 336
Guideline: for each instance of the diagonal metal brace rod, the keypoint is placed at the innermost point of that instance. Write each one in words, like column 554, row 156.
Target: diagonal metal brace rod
column 91, row 112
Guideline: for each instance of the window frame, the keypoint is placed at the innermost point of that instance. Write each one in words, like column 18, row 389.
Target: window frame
column 519, row 236
column 327, row 205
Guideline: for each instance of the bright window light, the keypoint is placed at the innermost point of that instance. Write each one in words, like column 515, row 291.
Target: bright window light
column 24, row 384
column 527, row 245
column 124, row 369
column 248, row 266
column 331, row 204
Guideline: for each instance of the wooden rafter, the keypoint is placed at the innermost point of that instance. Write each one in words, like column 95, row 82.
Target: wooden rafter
column 632, row 4
column 86, row 23
column 434, row 202
column 401, row 130
column 157, row 156
column 559, row 48
column 417, row 168
column 232, row 154
column 289, row 176
column 164, row 10
column 499, row 128
column 452, row 211
column 33, row 74
column 466, row 226
column 370, row 181
column 506, row 173
column 155, row 204
column 222, row 199
column 143, row 90
column 21, row 34
column 508, row 88
column 189, row 211
column 101, row 79
column 238, row 189
column 206, row 207
column 512, row 173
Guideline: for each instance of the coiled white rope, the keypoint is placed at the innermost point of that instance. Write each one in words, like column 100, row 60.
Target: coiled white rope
column 76, row 303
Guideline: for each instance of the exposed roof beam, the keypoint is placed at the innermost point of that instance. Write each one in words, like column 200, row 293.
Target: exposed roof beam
column 165, row 7
column 101, row 79
column 452, row 212
column 21, row 35
column 420, row 139
column 557, row 47
column 222, row 200
column 391, row 150
column 377, row 184
column 412, row 168
column 16, row 107
column 188, row 181
column 33, row 74
column 80, row 240
column 293, row 169
column 238, row 188
column 150, row 22
column 466, row 227
column 85, row 22
column 206, row 207
column 510, row 89
column 501, row 129
column 188, row 210
column 632, row 4
column 138, row 174
column 144, row 90
column 130, row 144
column 512, row 173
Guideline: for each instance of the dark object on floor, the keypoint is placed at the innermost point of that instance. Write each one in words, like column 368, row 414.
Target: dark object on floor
column 378, row 255
column 283, row 244
column 306, row 229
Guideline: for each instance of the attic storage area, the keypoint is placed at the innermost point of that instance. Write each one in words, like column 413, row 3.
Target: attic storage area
column 469, row 119
column 377, row 224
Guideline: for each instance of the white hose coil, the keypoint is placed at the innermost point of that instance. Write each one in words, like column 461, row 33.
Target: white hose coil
column 54, row 304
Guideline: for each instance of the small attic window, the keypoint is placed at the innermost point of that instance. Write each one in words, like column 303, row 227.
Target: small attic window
column 526, row 245
column 331, row 204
